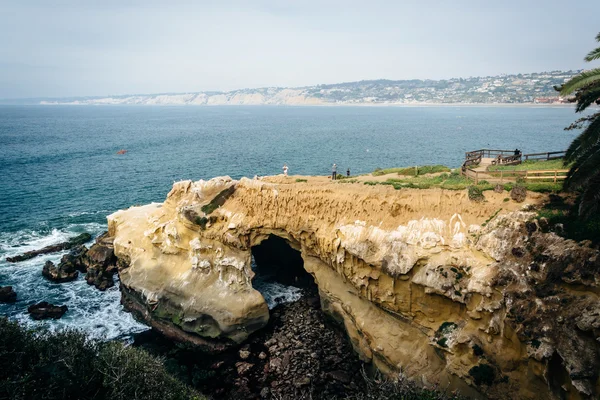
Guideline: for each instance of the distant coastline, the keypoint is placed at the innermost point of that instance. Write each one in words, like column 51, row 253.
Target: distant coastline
column 531, row 89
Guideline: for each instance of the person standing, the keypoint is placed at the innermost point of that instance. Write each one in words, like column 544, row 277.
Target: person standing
column 333, row 172
column 285, row 170
column 348, row 173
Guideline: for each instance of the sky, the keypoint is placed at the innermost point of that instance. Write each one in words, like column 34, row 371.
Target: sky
column 66, row 48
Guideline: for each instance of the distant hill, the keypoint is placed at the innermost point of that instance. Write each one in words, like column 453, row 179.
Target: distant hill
column 503, row 89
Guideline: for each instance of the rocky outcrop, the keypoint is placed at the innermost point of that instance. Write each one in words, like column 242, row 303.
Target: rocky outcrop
column 7, row 294
column 45, row 310
column 462, row 295
column 100, row 263
column 68, row 268
column 73, row 242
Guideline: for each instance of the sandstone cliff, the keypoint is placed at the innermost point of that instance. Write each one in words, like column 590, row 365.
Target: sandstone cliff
column 475, row 297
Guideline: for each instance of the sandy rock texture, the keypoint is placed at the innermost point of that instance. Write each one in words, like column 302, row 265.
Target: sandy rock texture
column 462, row 295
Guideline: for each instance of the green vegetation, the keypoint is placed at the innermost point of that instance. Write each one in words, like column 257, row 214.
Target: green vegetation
column 446, row 327
column 218, row 201
column 562, row 212
column 482, row 374
column 66, row 365
column 475, row 193
column 380, row 388
column 455, row 181
column 492, row 216
column 530, row 165
column 301, row 180
column 202, row 221
column 584, row 151
column 412, row 171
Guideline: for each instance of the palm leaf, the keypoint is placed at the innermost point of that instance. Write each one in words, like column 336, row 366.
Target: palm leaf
column 581, row 80
column 587, row 95
column 593, row 55
column 584, row 169
column 590, row 199
column 584, row 142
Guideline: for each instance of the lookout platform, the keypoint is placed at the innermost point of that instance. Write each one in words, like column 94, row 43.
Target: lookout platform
column 478, row 162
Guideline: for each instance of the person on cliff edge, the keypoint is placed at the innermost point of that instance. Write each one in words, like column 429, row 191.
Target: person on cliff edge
column 333, row 172
column 285, row 170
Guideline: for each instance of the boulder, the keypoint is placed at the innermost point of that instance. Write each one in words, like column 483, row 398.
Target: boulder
column 45, row 310
column 62, row 273
column 7, row 294
column 518, row 193
column 75, row 241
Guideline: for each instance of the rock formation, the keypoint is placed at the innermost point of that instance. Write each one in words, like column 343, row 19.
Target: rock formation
column 100, row 263
column 73, row 242
column 68, row 268
column 470, row 296
column 7, row 294
column 45, row 310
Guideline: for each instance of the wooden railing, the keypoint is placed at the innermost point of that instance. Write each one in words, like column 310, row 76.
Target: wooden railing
column 510, row 176
column 488, row 153
column 552, row 155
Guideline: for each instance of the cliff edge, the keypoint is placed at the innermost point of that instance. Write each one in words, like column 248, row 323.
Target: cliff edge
column 478, row 297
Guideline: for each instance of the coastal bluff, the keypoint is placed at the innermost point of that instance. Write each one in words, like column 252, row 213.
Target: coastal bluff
column 479, row 297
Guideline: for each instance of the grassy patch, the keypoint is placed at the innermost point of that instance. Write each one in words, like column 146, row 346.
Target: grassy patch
column 301, row 180
column 531, row 166
column 412, row 171
column 218, row 201
column 67, row 365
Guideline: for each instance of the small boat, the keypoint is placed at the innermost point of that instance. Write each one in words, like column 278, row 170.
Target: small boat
column 122, row 151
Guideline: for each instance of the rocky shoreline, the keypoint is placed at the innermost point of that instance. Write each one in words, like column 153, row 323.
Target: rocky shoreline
column 300, row 354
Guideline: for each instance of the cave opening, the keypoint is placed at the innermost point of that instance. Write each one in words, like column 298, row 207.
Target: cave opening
column 279, row 272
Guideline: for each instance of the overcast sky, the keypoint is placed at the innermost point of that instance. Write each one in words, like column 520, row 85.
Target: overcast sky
column 76, row 48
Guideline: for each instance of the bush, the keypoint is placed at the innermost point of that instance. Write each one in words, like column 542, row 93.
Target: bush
column 476, row 194
column 425, row 169
column 218, row 201
column 67, row 365
column 482, row 374
column 301, row 180
column 380, row 388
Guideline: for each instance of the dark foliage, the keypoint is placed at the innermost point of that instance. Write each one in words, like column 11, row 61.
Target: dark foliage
column 66, row 365
column 584, row 152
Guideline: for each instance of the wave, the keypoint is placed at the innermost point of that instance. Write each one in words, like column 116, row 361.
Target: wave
column 99, row 314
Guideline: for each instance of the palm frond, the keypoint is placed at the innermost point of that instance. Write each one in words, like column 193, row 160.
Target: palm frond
column 593, row 55
column 590, row 199
column 587, row 98
column 581, row 80
column 584, row 142
column 584, row 169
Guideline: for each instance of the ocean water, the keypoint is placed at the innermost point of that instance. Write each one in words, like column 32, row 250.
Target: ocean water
column 60, row 174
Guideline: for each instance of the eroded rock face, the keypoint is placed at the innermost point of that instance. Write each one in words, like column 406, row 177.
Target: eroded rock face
column 422, row 280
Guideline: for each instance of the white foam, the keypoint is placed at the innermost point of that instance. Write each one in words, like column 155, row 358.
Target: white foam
column 97, row 313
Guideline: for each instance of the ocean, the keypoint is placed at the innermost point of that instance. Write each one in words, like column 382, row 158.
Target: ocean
column 60, row 173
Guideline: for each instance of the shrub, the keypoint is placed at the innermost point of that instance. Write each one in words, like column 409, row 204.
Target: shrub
column 476, row 194
column 482, row 374
column 381, row 388
column 218, row 201
column 67, row 365
column 301, row 180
